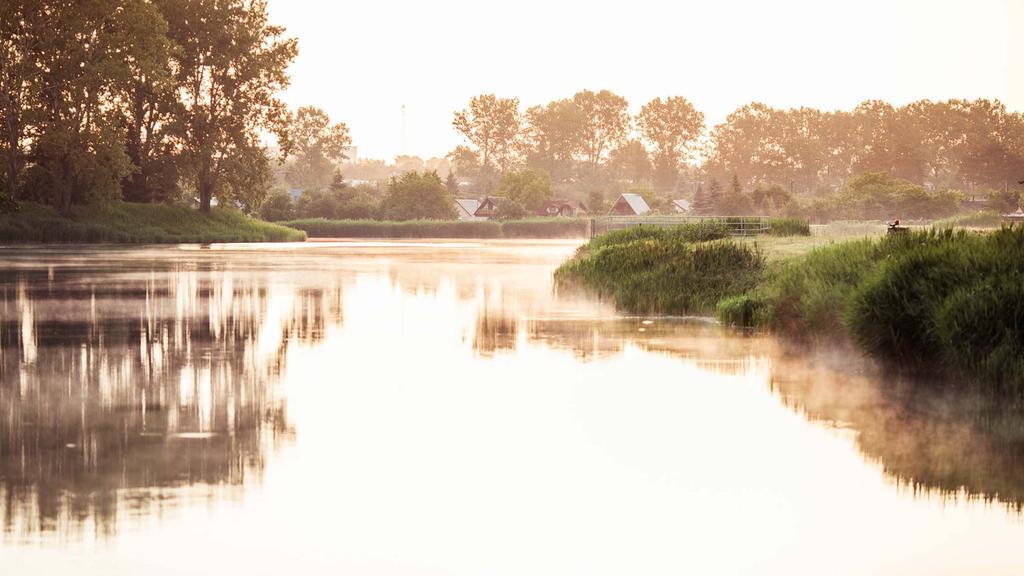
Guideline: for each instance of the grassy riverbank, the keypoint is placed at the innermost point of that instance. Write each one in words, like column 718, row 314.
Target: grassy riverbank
column 932, row 300
column 529, row 228
column 124, row 222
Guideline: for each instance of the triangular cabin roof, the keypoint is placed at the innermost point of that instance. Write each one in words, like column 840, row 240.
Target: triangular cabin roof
column 467, row 206
column 489, row 206
column 629, row 202
column 682, row 205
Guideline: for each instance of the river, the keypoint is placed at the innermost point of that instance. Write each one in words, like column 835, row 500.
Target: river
column 434, row 408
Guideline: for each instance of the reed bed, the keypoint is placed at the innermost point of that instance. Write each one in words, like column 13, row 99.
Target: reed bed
column 124, row 222
column 528, row 228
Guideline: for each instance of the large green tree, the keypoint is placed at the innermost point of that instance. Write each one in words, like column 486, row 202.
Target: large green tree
column 494, row 126
column 606, row 124
column 414, row 196
column 317, row 146
column 671, row 126
column 231, row 66
column 554, row 137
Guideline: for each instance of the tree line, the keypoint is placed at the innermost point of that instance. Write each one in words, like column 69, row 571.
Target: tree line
column 147, row 101
column 590, row 142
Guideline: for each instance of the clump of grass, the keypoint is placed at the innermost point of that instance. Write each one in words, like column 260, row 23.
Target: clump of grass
column 790, row 227
column 682, row 270
column 700, row 231
column 529, row 228
column 138, row 223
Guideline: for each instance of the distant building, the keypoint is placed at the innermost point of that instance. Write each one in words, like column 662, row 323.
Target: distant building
column 489, row 207
column 565, row 208
column 629, row 205
column 466, row 208
column 682, row 206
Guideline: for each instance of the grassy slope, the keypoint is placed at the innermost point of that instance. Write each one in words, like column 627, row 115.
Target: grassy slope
column 137, row 223
column 928, row 300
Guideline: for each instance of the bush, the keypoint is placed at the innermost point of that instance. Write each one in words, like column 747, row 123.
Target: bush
column 790, row 227
column 663, row 272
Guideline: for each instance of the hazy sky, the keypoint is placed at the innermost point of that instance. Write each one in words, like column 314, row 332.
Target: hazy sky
column 361, row 61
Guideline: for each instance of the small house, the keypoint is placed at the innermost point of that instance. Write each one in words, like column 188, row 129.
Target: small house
column 466, row 208
column 629, row 205
column 564, row 208
column 682, row 206
column 488, row 207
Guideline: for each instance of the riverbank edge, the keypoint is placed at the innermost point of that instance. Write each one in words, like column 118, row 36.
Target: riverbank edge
column 532, row 228
column 135, row 223
column 934, row 302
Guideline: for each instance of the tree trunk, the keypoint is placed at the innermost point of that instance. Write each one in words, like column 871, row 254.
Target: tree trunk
column 205, row 193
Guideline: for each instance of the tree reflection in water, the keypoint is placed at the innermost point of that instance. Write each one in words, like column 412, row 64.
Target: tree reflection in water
column 127, row 392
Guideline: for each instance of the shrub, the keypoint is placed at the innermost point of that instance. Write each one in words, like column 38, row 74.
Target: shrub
column 790, row 227
column 663, row 273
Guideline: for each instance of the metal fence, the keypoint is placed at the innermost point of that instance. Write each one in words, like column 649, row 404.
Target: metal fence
column 738, row 225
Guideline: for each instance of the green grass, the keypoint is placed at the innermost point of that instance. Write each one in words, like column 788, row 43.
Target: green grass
column 123, row 222
column 983, row 219
column 679, row 270
column 530, row 228
column 790, row 227
column 930, row 301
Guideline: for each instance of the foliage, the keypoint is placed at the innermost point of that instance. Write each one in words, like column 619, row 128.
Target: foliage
column 529, row 189
column 790, row 227
column 663, row 272
column 231, row 63
column 414, row 196
column 671, row 126
column 983, row 219
column 137, row 223
column 317, row 145
column 923, row 301
column 493, row 125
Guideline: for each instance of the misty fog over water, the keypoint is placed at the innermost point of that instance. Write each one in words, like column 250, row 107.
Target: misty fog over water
column 435, row 407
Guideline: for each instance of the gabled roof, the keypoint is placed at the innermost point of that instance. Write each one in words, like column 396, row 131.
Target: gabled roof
column 636, row 203
column 682, row 205
column 467, row 205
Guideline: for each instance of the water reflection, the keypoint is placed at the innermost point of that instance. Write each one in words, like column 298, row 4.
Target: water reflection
column 118, row 390
column 439, row 401
column 925, row 438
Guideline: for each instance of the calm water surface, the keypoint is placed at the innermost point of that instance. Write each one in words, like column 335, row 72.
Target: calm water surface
column 434, row 408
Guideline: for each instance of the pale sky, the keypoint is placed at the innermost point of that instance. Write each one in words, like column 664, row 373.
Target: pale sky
column 361, row 61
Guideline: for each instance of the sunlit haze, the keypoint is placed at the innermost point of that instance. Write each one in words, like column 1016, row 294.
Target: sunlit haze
column 362, row 61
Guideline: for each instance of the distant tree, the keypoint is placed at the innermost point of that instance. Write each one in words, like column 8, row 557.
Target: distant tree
column 413, row 195
column 451, row 184
column 277, row 206
column 606, row 123
column 734, row 201
column 701, row 202
column 630, row 161
column 672, row 127
column 317, row 146
column 231, row 64
column 554, row 136
column 494, row 126
column 771, row 199
column 714, row 197
column 527, row 188
column 464, row 161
